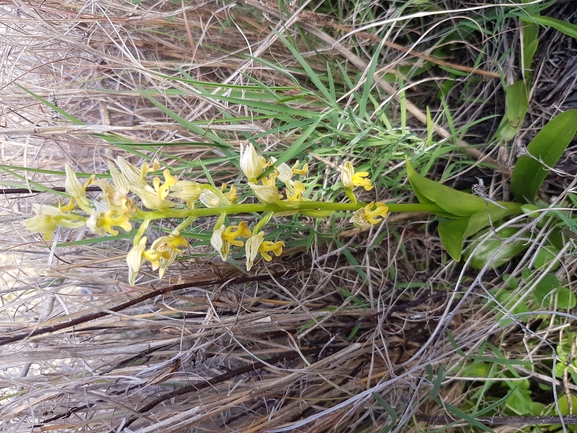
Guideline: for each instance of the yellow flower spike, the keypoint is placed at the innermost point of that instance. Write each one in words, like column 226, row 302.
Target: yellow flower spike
column 187, row 191
column 367, row 216
column 251, row 164
column 267, row 194
column 266, row 247
column 351, row 179
column 135, row 259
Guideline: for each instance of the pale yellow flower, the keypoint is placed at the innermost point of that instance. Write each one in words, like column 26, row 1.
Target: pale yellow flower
column 210, row 199
column 284, row 172
column 222, row 238
column 256, row 244
column 302, row 171
column 163, row 252
column 162, row 189
column 265, row 193
column 295, row 191
column 187, row 191
column 267, row 247
column 135, row 259
column 150, row 198
column 48, row 218
column 76, row 189
column 105, row 217
column 251, row 247
column 231, row 194
column 371, row 214
column 135, row 178
column 351, row 179
column 251, row 164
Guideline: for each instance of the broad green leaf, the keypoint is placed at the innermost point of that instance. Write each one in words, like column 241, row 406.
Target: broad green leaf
column 495, row 252
column 452, row 234
column 565, row 299
column 547, row 146
column 544, row 288
column 455, row 203
column 563, row 26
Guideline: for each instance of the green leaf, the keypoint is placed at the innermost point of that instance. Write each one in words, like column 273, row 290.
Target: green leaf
column 517, row 102
column 495, row 252
column 549, row 283
column 563, row 26
column 547, row 146
column 565, row 299
column 452, row 234
column 455, row 203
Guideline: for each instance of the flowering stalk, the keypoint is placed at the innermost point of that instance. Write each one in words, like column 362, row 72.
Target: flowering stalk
column 135, row 196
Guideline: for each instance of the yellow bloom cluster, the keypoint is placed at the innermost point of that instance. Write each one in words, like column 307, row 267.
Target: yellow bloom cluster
column 137, row 195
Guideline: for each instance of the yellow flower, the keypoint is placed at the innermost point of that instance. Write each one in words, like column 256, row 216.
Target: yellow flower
column 302, row 171
column 284, row 173
column 210, row 199
column 187, row 191
column 222, row 238
column 295, row 191
column 163, row 252
column 135, row 259
column 265, row 193
column 48, row 218
column 105, row 217
column 76, row 189
column 256, row 244
column 251, row 164
column 267, row 247
column 152, row 198
column 231, row 194
column 251, row 247
column 351, row 179
column 162, row 190
column 134, row 177
column 367, row 216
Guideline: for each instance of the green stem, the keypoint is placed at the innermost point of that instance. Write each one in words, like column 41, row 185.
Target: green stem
column 281, row 207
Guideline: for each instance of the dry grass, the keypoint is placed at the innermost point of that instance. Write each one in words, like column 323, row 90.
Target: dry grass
column 303, row 344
